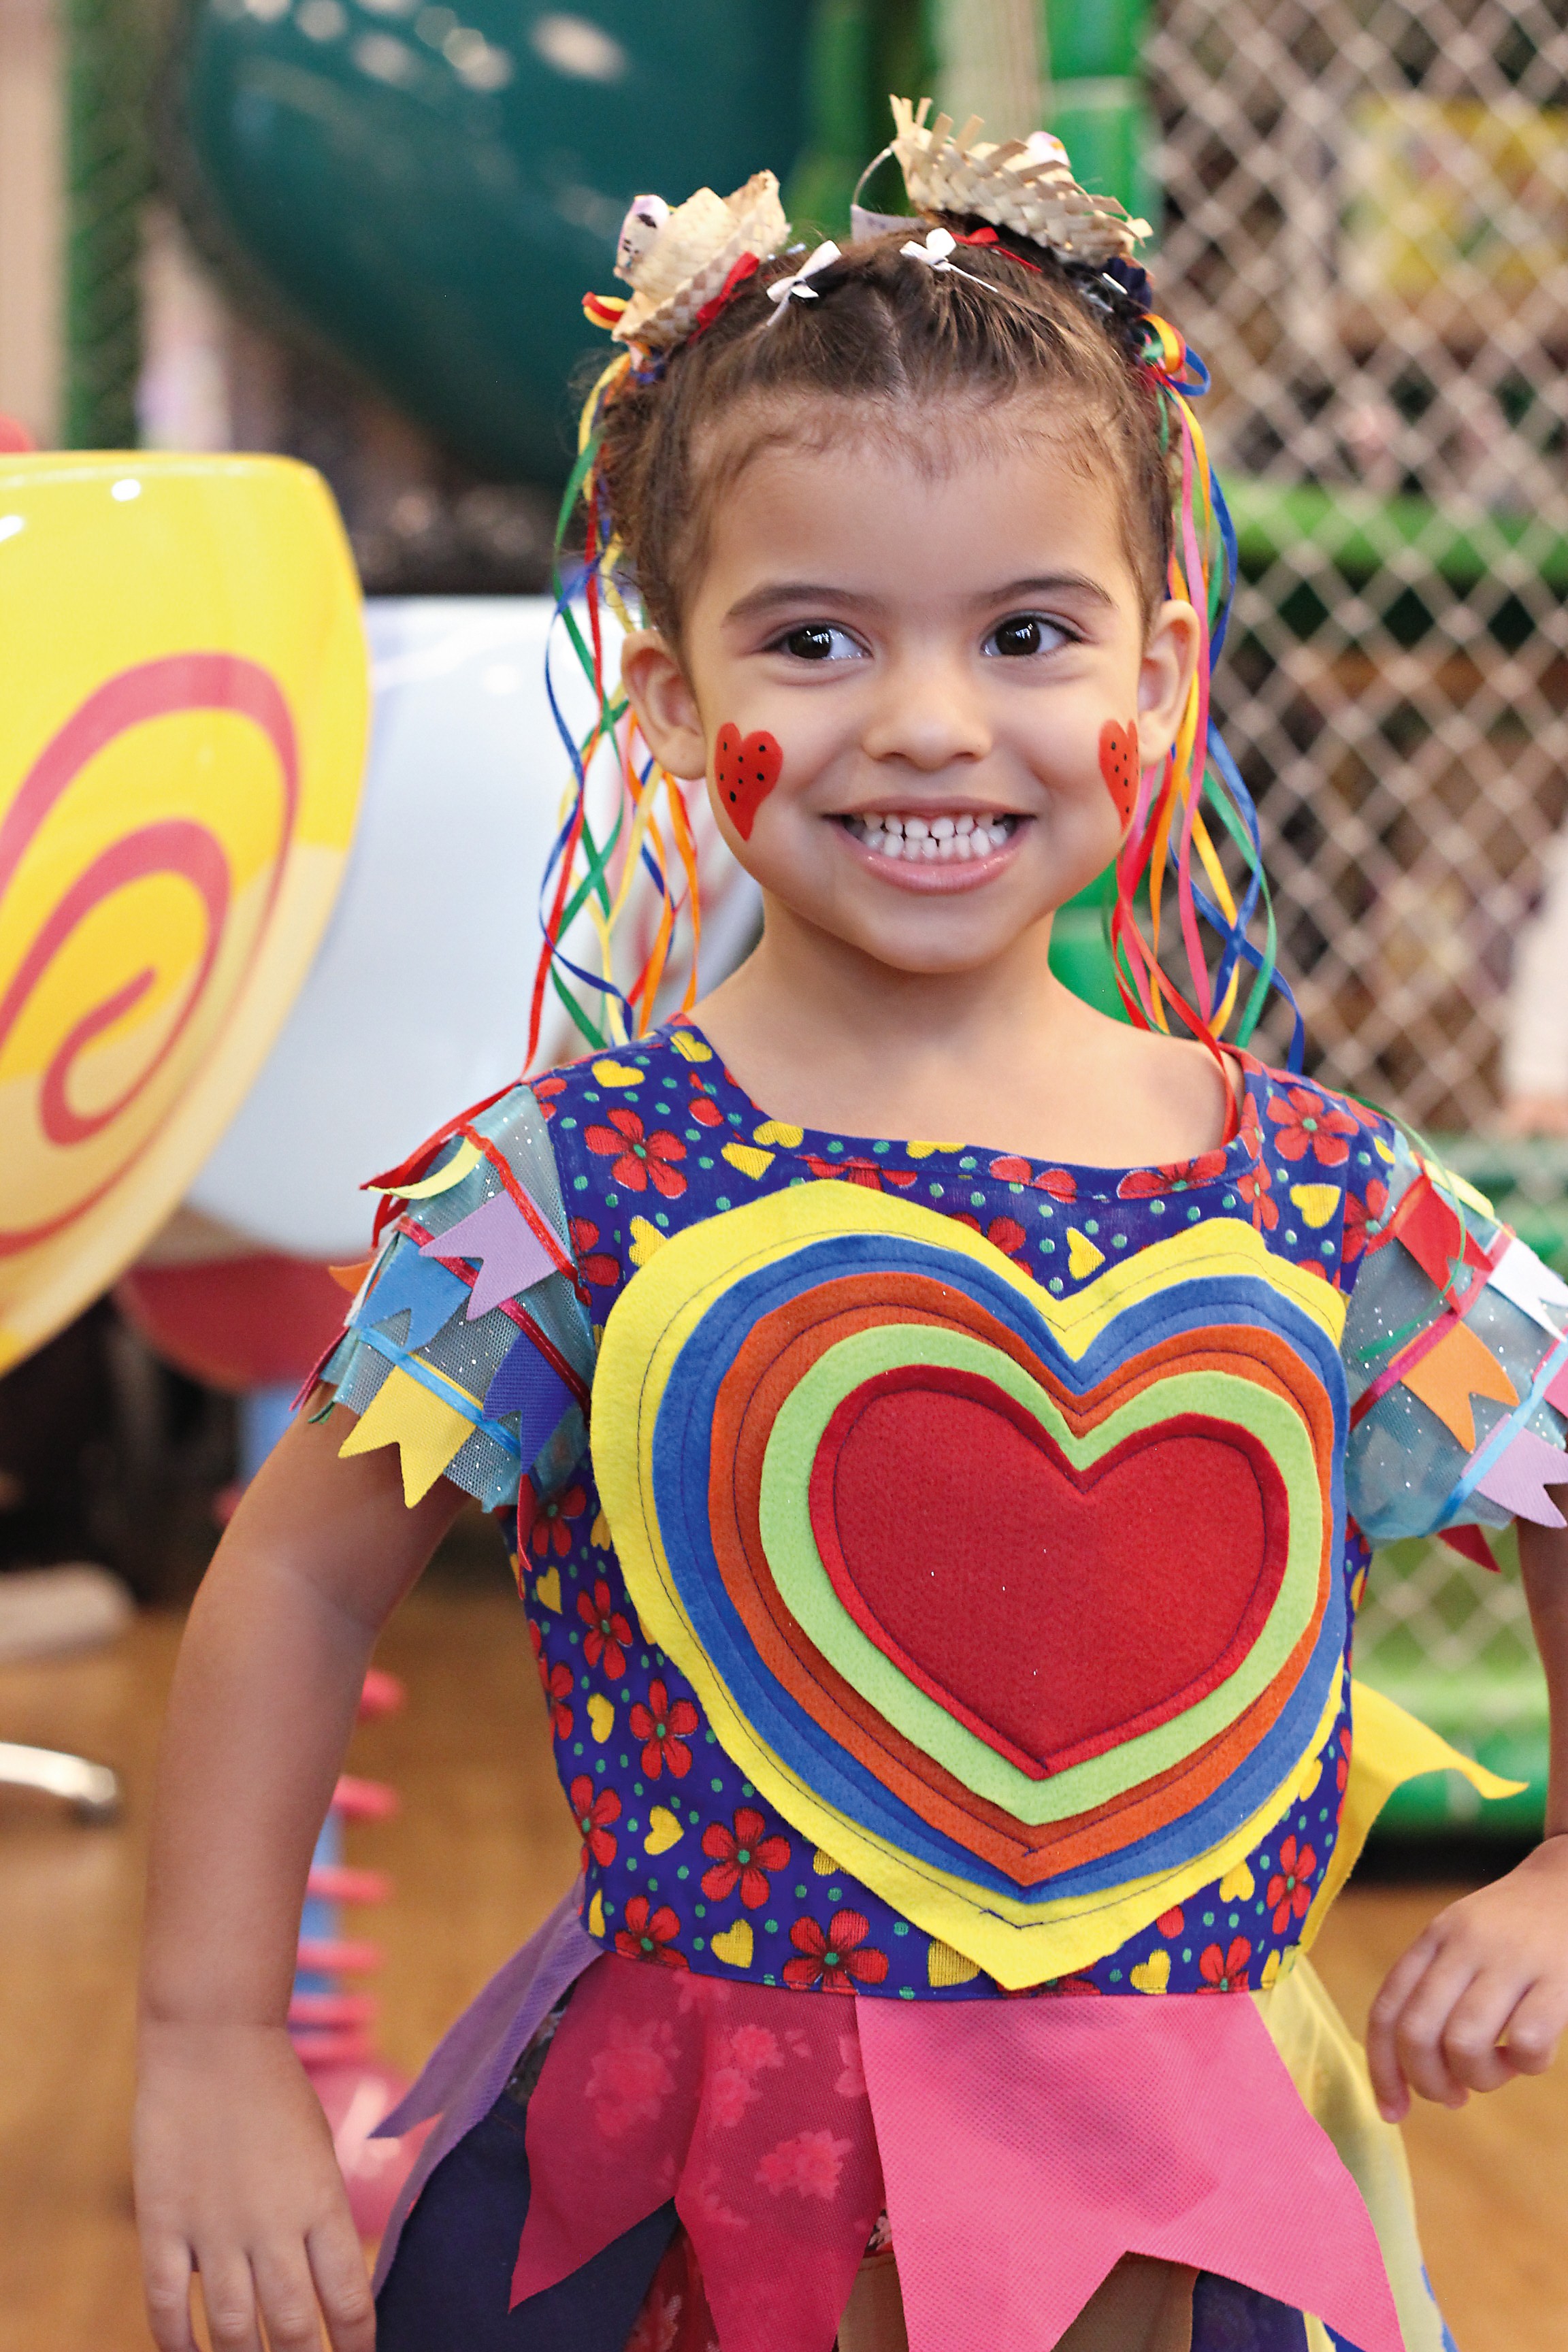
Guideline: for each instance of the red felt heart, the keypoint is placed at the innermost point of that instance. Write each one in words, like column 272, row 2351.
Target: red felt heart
column 1054, row 1612
column 1119, row 766
column 745, row 772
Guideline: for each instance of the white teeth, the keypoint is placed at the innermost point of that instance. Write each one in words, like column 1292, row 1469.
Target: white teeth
column 892, row 845
column 966, row 824
column 916, row 828
column 893, row 825
column 941, row 830
column 942, row 838
column 929, row 848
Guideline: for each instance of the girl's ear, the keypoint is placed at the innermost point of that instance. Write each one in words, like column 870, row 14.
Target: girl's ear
column 1165, row 679
column 666, row 708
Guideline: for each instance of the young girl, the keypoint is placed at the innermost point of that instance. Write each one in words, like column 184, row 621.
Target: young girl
column 945, row 1634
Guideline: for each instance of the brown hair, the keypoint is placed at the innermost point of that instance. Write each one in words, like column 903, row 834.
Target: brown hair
column 889, row 333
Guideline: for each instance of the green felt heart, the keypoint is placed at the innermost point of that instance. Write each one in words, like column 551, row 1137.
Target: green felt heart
column 433, row 188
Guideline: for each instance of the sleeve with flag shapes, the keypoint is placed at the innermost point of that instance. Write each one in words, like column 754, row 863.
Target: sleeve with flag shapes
column 467, row 1345
column 1457, row 1364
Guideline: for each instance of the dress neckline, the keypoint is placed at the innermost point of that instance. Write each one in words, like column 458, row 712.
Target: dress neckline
column 1220, row 1164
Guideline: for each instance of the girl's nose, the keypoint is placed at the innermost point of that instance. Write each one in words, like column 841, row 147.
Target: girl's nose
column 928, row 712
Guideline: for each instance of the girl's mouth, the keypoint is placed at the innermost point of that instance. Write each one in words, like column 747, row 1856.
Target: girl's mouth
column 951, row 840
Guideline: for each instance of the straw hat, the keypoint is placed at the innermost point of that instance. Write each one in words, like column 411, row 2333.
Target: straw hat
column 677, row 260
column 1025, row 186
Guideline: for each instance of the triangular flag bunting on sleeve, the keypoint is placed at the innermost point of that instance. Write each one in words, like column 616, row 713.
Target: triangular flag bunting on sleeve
column 1518, row 1478
column 1460, row 1366
column 526, row 1384
column 1521, row 1278
column 1556, row 1390
column 425, row 1428
column 1428, row 1229
column 1471, row 1544
column 497, row 1233
column 432, row 1294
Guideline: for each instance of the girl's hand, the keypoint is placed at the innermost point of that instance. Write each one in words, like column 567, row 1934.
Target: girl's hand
column 1480, row 1997
column 236, row 2179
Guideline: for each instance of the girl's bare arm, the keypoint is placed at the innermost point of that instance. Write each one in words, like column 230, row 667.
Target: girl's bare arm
column 1483, row 1994
column 234, row 2163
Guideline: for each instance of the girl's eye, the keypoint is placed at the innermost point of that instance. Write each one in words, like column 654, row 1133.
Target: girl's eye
column 817, row 641
column 1024, row 634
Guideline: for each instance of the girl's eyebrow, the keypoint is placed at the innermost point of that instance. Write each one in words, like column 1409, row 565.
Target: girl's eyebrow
column 776, row 594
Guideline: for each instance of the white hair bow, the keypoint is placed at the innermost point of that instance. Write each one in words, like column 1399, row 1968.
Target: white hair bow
column 939, row 243
column 782, row 288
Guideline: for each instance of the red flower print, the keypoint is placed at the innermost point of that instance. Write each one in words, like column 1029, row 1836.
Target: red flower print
column 650, row 1935
column 1004, row 1233
column 702, row 1106
column 544, row 1093
column 1056, row 1181
column 742, row 1855
column 643, row 1159
column 1179, row 1176
column 1256, row 1186
column 596, row 1268
column 868, row 1173
column 810, row 2164
column 837, row 1957
column 1343, row 1767
column 1225, row 1972
column 1290, row 1889
column 594, row 1813
column 663, row 1730
column 550, row 1522
column 1171, row 1923
column 556, row 1683
column 1306, row 1123
column 609, row 1634
column 1358, row 1214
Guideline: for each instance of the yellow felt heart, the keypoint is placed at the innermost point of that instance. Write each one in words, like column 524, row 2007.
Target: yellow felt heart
column 601, row 1717
column 947, row 1966
column 1151, row 1975
column 1236, row 1885
column 663, row 1831
column 691, row 1048
column 734, row 1945
column 617, row 1074
column 646, row 1239
column 1312, row 1773
column 1317, row 1203
column 924, row 1150
column 749, row 1162
column 779, row 1131
column 823, row 1864
column 596, row 1916
column 599, row 1533
column 547, row 1589
column 1082, row 1255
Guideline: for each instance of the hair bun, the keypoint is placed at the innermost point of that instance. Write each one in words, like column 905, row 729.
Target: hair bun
column 1022, row 185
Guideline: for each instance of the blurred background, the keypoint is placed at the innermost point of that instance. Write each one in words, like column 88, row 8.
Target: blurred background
column 356, row 232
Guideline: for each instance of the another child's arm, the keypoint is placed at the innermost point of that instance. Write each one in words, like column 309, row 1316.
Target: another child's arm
column 234, row 2171
column 1483, row 1994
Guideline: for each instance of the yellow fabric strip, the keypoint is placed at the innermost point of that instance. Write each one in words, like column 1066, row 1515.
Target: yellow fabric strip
column 1328, row 2068
column 1388, row 1748
column 425, row 1428
column 466, row 1158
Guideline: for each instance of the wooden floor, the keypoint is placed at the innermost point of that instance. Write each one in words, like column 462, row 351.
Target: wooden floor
column 482, row 1848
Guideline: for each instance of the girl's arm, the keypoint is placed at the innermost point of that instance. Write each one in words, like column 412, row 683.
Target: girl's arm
column 235, row 2172
column 1483, row 1994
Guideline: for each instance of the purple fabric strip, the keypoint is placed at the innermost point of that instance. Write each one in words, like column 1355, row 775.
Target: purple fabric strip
column 468, row 2070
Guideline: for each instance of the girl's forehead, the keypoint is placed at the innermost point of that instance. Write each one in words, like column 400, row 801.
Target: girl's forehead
column 885, row 514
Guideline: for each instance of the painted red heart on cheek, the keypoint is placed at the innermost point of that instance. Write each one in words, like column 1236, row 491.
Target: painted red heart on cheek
column 1119, row 766
column 745, row 770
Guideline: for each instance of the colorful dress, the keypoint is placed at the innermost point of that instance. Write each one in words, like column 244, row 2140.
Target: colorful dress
column 951, row 1616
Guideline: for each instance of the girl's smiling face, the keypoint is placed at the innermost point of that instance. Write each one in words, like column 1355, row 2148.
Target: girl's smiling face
column 937, row 644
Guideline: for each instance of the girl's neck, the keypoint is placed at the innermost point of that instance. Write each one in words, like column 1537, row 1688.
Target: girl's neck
column 822, row 1035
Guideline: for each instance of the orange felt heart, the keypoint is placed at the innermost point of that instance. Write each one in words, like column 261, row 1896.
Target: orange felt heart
column 1119, row 766
column 745, row 770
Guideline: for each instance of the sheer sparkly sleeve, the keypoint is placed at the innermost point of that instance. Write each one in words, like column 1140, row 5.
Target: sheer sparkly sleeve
column 467, row 1345
column 1456, row 1362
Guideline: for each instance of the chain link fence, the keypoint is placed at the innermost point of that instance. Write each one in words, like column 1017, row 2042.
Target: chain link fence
column 1366, row 235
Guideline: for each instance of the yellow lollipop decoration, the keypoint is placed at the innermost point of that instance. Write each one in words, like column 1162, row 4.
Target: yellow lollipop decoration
column 182, row 706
